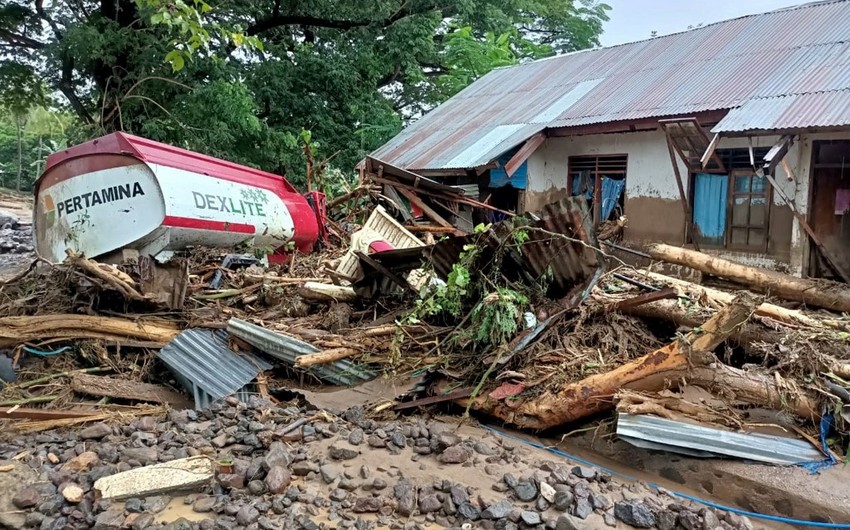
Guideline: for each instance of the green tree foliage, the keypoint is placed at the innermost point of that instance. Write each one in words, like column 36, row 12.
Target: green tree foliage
column 241, row 79
column 34, row 134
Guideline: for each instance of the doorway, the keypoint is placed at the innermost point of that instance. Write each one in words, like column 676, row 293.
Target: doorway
column 829, row 212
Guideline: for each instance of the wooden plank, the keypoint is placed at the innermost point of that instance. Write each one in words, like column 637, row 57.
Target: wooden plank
column 837, row 265
column 430, row 212
column 527, row 149
column 41, row 414
column 641, row 299
column 689, row 217
column 96, row 385
column 709, row 152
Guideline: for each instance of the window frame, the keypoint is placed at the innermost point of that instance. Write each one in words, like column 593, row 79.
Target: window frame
column 730, row 204
column 597, row 189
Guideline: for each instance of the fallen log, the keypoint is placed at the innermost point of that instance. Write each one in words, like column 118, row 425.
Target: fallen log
column 19, row 329
column 110, row 275
column 95, row 385
column 327, row 293
column 721, row 298
column 325, row 356
column 829, row 295
column 649, row 373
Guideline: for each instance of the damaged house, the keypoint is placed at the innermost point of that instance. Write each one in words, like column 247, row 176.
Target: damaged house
column 732, row 137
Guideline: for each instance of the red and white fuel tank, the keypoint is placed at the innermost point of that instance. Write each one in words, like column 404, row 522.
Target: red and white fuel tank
column 122, row 191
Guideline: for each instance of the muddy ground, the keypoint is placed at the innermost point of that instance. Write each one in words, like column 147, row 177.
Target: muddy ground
column 345, row 471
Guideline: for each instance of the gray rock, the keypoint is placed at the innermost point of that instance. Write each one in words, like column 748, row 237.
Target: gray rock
column 27, row 497
column 277, row 455
column 530, row 518
column 338, row 495
column 458, row 494
column 468, row 511
column 224, row 523
column 497, row 510
column 405, row 496
column 510, row 480
column 278, row 479
column 376, row 441
column 398, row 439
column 111, row 519
column 584, row 472
column 356, row 436
column 547, row 492
column 134, row 505
column 429, row 503
column 156, row 504
column 634, row 513
column 666, row 520
column 304, row 468
column 446, row 440
column 143, row 455
column 231, row 480
column 247, row 515
column 329, row 473
column 367, row 505
column 565, row 522
column 709, row 519
column 582, row 509
column 203, row 504
column 599, row 501
column 455, row 454
column 95, row 432
column 525, row 490
column 689, row 520
column 340, row 452
column 482, row 448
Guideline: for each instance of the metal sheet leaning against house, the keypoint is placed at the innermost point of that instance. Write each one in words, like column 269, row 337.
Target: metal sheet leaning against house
column 651, row 432
column 202, row 362
column 286, row 349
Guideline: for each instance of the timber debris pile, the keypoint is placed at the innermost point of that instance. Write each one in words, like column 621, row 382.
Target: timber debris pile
column 527, row 319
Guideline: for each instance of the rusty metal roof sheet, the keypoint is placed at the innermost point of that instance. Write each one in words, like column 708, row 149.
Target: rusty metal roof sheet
column 559, row 247
column 796, row 111
column 797, row 51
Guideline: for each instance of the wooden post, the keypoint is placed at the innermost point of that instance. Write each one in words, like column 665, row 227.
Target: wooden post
column 689, row 215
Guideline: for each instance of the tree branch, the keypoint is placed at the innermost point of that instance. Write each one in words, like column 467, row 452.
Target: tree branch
column 66, row 86
column 39, row 8
column 20, row 41
column 304, row 20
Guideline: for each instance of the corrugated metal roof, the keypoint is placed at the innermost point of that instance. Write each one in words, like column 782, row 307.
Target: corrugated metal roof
column 652, row 432
column 286, row 348
column 794, row 51
column 798, row 111
column 202, row 362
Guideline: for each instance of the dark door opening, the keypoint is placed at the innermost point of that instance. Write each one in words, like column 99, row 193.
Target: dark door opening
column 829, row 211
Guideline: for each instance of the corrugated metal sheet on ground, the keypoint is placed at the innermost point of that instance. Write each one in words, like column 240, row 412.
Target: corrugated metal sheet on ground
column 286, row 349
column 201, row 360
column 651, row 432
column 799, row 52
column 798, row 111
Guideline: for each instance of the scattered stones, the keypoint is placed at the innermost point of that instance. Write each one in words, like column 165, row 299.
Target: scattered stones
column 27, row 498
column 530, row 518
column 582, row 508
column 247, row 514
column 83, row 462
column 634, row 513
column 429, row 503
column 356, row 436
column 666, row 520
column 584, row 472
column 563, row 500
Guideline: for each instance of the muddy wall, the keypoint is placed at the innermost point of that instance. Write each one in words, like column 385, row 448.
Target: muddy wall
column 651, row 200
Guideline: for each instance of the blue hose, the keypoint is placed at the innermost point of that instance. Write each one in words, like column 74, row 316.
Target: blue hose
column 754, row 515
column 45, row 353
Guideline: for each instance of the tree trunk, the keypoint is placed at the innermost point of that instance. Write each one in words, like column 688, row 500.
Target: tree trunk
column 327, row 293
column 325, row 357
column 721, row 298
column 17, row 330
column 652, row 372
column 20, row 138
column 828, row 295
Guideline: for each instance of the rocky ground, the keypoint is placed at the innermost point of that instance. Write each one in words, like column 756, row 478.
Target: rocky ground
column 16, row 244
column 345, row 471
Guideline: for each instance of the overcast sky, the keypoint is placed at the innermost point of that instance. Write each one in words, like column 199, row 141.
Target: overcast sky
column 633, row 20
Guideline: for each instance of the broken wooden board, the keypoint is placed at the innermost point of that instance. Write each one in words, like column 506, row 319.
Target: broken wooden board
column 177, row 475
column 20, row 329
column 96, row 385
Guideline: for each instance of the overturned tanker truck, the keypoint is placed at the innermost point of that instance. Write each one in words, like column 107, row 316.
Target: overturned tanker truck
column 124, row 192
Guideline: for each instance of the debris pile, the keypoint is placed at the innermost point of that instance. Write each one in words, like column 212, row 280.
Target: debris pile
column 529, row 319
